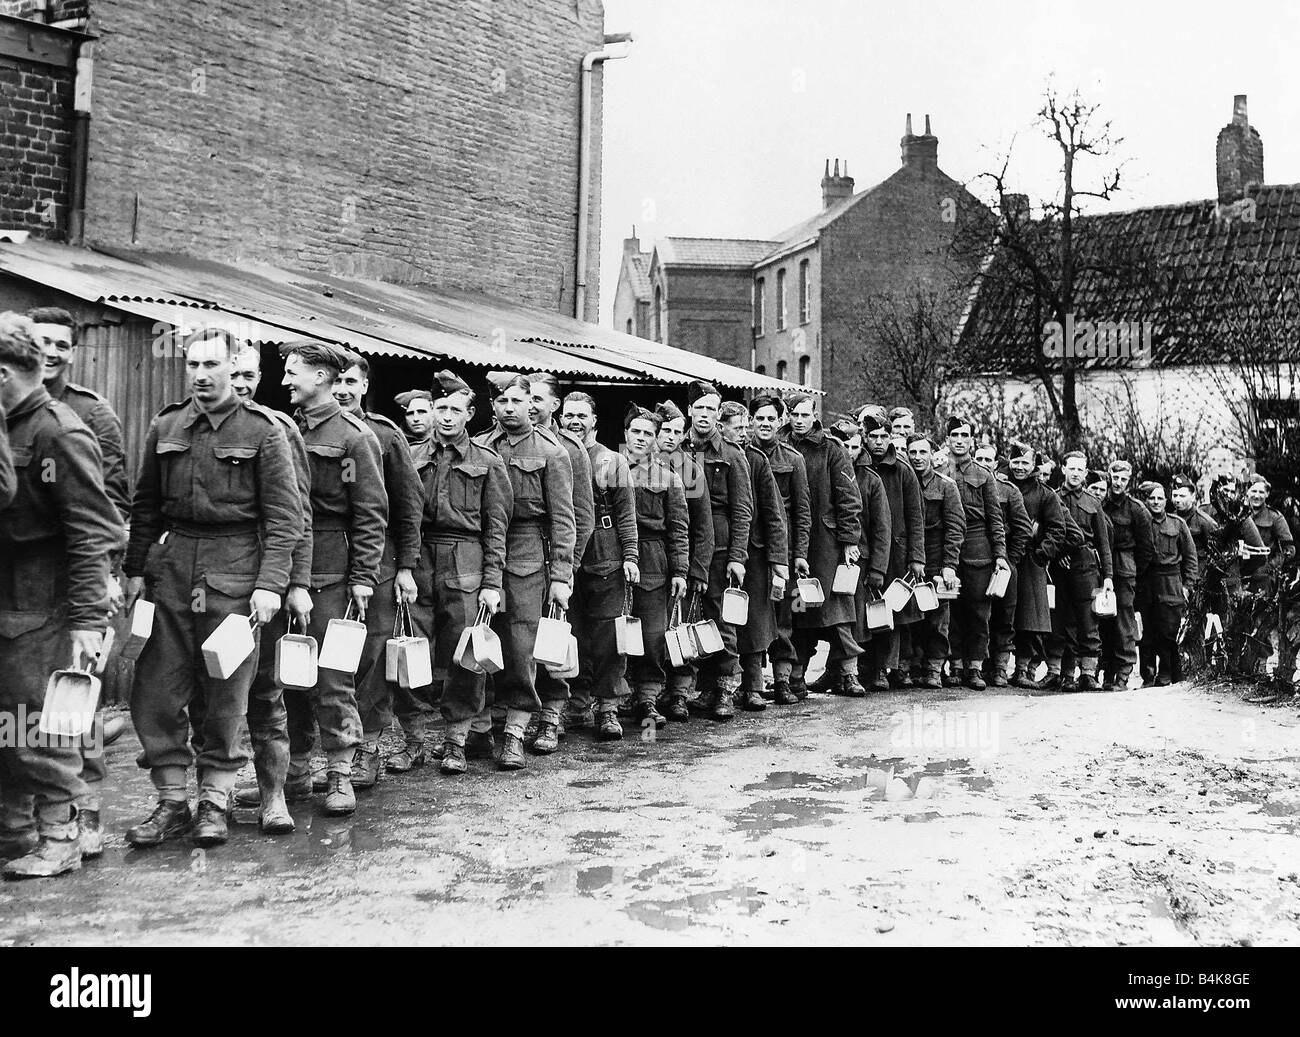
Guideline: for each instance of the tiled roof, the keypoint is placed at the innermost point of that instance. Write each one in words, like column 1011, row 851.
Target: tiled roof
column 638, row 274
column 1203, row 278
column 717, row 252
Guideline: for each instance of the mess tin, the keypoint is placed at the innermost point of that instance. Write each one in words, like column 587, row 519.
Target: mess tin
column 72, row 696
column 1051, row 595
column 296, row 659
column 406, row 656
column 345, row 640
column 846, row 580
column 229, row 645
column 1104, row 603
column 141, row 627
column 945, row 591
column 897, row 595
column 704, row 632
column 571, row 663
column 999, row 583
column 677, row 639
column 924, row 596
column 551, row 646
column 628, row 638
column 735, row 607
column 880, row 615
column 810, row 590
column 778, row 589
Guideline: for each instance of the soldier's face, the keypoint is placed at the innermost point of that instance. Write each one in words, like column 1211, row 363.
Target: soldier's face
column 736, row 429
column 350, row 388
column 765, row 424
column 579, row 419
column 305, row 383
column 1074, row 472
column 903, row 426
column 450, row 415
column 921, row 455
column 1182, row 498
column 207, row 371
column 246, row 374
column 542, row 404
column 55, row 341
column 1119, row 482
column 1098, row 489
column 640, row 435
column 513, row 409
column 854, row 447
column 1021, row 466
column 960, row 441
column 986, row 457
column 419, row 417
column 802, row 418
column 878, row 440
column 671, row 434
column 704, row 414
column 1156, row 502
column 1257, row 496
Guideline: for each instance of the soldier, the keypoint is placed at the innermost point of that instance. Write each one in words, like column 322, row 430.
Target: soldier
column 1131, row 549
column 767, row 567
column 417, row 415
column 396, row 586
column 8, row 485
column 56, row 333
column 610, row 566
column 726, row 477
column 56, row 534
column 945, row 530
column 349, row 514
column 791, row 474
column 214, row 523
column 879, row 665
column 1018, row 528
column 850, row 434
column 1182, row 495
column 539, row 559
column 902, row 425
column 1075, row 573
column 268, row 722
column 467, row 504
column 1169, row 580
column 663, row 540
column 983, row 552
column 1274, row 533
column 1052, row 531
column 699, row 508
column 544, row 406
column 837, row 538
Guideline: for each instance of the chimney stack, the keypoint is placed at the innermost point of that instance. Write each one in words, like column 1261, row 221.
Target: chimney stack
column 836, row 188
column 632, row 245
column 920, row 153
column 1238, row 155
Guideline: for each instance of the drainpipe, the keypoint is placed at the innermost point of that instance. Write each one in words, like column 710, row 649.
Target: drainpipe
column 80, row 152
column 621, row 43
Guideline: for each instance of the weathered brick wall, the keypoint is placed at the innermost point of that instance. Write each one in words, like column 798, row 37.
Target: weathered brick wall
column 411, row 140
column 799, row 339
column 709, row 312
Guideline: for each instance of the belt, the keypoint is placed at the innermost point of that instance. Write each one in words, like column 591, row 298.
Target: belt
column 206, row 530
column 448, row 536
column 525, row 526
column 330, row 524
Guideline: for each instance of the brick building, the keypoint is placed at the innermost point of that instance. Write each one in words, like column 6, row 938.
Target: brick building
column 797, row 300
column 633, row 296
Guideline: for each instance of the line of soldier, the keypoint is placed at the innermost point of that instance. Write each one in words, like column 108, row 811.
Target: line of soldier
column 240, row 510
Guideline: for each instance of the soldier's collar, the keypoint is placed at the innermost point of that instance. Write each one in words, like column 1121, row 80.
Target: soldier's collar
column 713, row 439
column 323, row 411
column 460, row 444
column 60, row 383
column 38, row 397
column 216, row 417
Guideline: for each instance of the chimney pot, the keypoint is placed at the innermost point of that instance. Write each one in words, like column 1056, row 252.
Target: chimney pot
column 1238, row 155
column 835, row 188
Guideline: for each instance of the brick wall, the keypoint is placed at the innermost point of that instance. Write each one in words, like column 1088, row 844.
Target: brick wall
column 799, row 339
column 709, row 312
column 411, row 140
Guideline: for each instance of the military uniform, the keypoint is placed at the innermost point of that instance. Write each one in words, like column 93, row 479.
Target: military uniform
column 98, row 416
column 945, row 530
column 768, row 544
column 1019, row 529
column 985, row 543
column 8, row 485
column 1052, row 532
column 216, row 515
column 1275, row 534
column 1171, row 573
column 791, row 474
column 1202, row 527
column 1077, row 574
column 57, row 530
column 539, row 550
column 349, row 513
column 467, row 507
column 1131, row 548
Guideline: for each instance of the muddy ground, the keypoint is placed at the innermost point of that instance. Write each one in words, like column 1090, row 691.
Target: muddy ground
column 1164, row 816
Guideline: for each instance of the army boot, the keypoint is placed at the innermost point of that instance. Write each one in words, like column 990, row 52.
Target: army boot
column 705, row 702
column 511, row 757
column 930, row 674
column 644, row 707
column 751, row 699
column 798, row 686
column 339, row 797
column 674, row 706
column 209, row 824
column 18, row 845
column 57, row 852
column 1022, row 678
column 724, row 700
column 1088, row 676
column 608, row 728
column 849, row 685
column 480, row 745
column 998, row 668
column 366, row 766
column 170, row 820
column 973, row 678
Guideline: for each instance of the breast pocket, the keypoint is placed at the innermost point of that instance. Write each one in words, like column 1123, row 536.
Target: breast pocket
column 526, row 475
column 467, row 489
column 717, row 478
column 176, row 468
column 327, row 472
column 235, row 478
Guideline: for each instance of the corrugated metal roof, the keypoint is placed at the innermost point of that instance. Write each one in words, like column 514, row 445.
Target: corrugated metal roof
column 373, row 317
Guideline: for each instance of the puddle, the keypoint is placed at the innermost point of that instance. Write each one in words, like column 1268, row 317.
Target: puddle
column 892, row 780
column 764, row 815
column 676, row 915
column 587, row 783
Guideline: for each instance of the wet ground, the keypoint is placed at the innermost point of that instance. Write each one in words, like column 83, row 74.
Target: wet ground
column 1163, row 816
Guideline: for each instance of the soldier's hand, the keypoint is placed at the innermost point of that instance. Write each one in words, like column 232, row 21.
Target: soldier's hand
column 85, row 646
column 298, row 602
column 632, row 573
column 677, row 587
column 1001, row 563
column 113, row 590
column 736, row 573
column 134, row 588
column 490, row 599
column 404, row 586
column 264, row 605
column 851, row 554
column 949, row 576
column 918, row 570
column 801, row 568
column 1108, row 585
column 782, row 572
column 876, row 580
column 361, row 595
column 560, row 592
column 699, row 586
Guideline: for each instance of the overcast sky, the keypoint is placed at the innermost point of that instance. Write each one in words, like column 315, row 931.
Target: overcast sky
column 721, row 118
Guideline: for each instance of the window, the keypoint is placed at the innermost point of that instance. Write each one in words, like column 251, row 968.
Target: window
column 805, row 364
column 780, row 299
column 629, row 326
column 658, row 314
column 761, row 369
column 759, row 287
column 780, row 369
column 805, row 293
